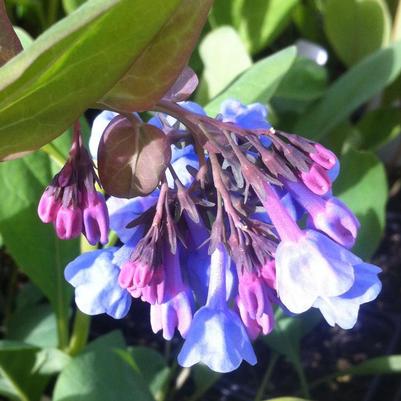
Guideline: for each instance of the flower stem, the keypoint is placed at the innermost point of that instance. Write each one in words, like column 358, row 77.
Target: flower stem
column 266, row 378
column 54, row 154
column 80, row 333
column 80, row 330
column 396, row 32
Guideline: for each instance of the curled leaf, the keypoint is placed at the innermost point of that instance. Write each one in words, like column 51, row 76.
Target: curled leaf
column 132, row 157
column 183, row 87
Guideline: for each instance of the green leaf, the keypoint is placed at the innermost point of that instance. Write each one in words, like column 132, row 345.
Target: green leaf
column 9, row 42
column 73, row 64
column 258, row 83
column 100, row 375
column 378, row 127
column 108, row 341
column 159, row 65
column 204, row 378
column 382, row 365
column 17, row 368
column 363, row 187
column 356, row 28
column 289, row 331
column 350, row 91
column 218, row 50
column 153, row 368
column 305, row 82
column 34, row 324
column 71, row 5
column 33, row 245
column 24, row 37
column 258, row 22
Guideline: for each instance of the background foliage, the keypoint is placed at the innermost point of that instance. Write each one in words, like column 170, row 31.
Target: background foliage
column 250, row 50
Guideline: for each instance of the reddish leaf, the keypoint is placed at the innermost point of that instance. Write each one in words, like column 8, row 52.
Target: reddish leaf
column 132, row 158
column 9, row 42
column 156, row 70
column 184, row 86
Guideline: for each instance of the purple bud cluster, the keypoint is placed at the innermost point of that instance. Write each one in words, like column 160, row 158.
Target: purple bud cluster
column 71, row 201
column 242, row 223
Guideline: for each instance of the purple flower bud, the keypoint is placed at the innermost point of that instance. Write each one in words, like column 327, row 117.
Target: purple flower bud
column 252, row 294
column 137, row 274
column 68, row 222
column 268, row 272
column 328, row 215
column 48, row 207
column 323, row 157
column 317, row 180
column 96, row 219
column 175, row 313
column 254, row 327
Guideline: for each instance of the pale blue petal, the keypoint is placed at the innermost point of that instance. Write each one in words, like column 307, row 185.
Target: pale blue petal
column 343, row 310
column 124, row 211
column 95, row 279
column 308, row 269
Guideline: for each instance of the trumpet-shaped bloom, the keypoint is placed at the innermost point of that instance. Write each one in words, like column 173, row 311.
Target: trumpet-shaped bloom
column 95, row 278
column 343, row 309
column 217, row 336
column 311, row 267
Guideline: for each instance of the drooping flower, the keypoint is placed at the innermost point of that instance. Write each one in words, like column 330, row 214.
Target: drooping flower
column 343, row 309
column 95, row 278
column 222, row 239
column 217, row 336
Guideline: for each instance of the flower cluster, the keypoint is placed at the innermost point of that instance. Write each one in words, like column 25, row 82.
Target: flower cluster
column 242, row 222
column 71, row 201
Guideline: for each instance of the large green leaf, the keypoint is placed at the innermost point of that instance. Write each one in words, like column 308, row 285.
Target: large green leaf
column 158, row 66
column 33, row 245
column 379, row 127
column 257, row 21
column 350, row 91
column 153, row 368
column 259, row 82
column 18, row 371
column 357, row 28
column 363, row 187
column 218, row 50
column 304, row 83
column 289, row 331
column 73, row 64
column 100, row 375
column 35, row 325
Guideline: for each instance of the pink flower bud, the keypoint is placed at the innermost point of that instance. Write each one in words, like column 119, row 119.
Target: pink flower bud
column 317, row 180
column 48, row 207
column 68, row 222
column 268, row 273
column 126, row 275
column 252, row 294
column 323, row 157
